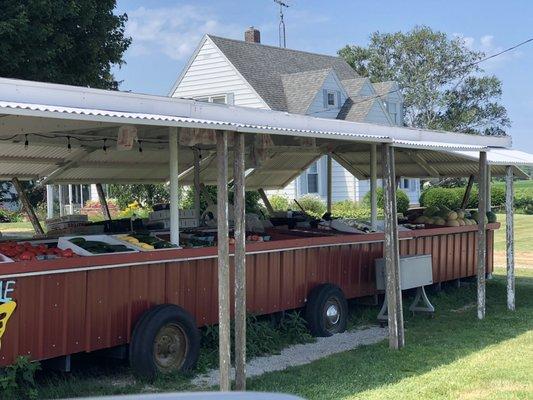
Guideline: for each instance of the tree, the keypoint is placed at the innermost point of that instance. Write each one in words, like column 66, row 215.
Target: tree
column 441, row 82
column 69, row 42
column 146, row 195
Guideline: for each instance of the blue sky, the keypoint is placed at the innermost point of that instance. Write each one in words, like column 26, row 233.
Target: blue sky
column 165, row 33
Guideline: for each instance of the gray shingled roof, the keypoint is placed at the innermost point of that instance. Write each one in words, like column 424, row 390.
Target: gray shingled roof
column 356, row 108
column 301, row 88
column 383, row 88
column 354, row 86
column 263, row 66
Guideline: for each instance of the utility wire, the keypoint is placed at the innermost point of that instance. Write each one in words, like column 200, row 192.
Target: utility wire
column 377, row 96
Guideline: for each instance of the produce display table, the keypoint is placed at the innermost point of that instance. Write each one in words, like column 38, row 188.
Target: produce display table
column 71, row 305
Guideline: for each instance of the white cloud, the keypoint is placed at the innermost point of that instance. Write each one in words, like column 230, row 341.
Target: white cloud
column 487, row 45
column 173, row 31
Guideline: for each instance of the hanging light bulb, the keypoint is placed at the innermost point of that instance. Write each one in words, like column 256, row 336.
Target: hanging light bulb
column 104, row 147
column 140, row 146
column 26, row 143
column 69, row 147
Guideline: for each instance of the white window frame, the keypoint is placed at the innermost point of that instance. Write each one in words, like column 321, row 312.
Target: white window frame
column 335, row 94
column 309, row 173
column 209, row 98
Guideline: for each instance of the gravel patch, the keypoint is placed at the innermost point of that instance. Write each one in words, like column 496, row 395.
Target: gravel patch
column 301, row 354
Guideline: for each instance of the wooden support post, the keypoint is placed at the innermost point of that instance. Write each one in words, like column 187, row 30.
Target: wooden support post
column 28, row 207
column 266, row 201
column 197, row 188
column 509, row 234
column 240, row 262
column 61, row 201
column 391, row 252
column 174, row 185
column 49, row 201
column 223, row 261
column 70, row 208
column 468, row 190
column 482, row 233
column 81, row 197
column 103, row 201
column 488, row 191
column 329, row 185
column 373, row 187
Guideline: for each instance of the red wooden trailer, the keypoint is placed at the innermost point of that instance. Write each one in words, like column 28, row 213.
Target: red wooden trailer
column 67, row 306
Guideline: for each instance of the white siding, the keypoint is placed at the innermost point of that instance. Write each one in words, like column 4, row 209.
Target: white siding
column 210, row 73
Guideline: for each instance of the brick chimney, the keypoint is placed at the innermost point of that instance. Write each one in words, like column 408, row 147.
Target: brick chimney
column 252, row 35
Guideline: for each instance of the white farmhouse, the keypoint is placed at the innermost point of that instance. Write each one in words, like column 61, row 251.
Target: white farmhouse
column 247, row 73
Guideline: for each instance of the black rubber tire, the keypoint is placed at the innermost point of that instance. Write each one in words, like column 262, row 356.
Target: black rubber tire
column 141, row 350
column 318, row 301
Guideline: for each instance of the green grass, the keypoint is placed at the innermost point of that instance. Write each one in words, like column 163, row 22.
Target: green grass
column 453, row 355
column 523, row 186
column 523, row 227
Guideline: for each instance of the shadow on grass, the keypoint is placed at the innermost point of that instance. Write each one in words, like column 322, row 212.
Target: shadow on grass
column 454, row 333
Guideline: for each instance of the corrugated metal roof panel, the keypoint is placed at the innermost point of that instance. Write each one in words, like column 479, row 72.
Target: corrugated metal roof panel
column 501, row 156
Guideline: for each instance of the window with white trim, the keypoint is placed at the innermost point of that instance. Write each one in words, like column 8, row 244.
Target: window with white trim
column 218, row 98
column 331, row 98
column 312, row 178
column 392, row 109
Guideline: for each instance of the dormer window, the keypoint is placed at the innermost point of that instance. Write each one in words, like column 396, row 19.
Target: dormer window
column 219, row 98
column 331, row 98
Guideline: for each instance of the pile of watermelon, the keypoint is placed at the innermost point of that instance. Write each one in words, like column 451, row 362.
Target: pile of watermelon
column 27, row 251
column 443, row 216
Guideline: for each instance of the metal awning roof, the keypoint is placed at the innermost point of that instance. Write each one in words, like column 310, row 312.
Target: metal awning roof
column 500, row 156
column 50, row 113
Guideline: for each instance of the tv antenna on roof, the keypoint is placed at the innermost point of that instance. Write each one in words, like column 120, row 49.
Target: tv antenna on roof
column 282, row 37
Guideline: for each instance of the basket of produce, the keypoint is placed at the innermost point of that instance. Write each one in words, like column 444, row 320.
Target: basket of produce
column 94, row 245
column 26, row 251
column 443, row 216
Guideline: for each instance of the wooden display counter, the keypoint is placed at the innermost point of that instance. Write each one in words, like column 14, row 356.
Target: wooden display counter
column 83, row 304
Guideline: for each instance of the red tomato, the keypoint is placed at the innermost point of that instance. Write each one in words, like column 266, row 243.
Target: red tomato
column 68, row 253
column 27, row 256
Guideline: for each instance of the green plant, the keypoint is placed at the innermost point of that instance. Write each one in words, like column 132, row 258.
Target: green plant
column 438, row 197
column 313, row 205
column 17, row 381
column 402, row 201
column 345, row 209
column 279, row 202
column 10, row 216
column 134, row 209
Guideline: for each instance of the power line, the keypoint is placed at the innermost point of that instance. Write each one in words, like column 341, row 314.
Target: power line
column 377, row 96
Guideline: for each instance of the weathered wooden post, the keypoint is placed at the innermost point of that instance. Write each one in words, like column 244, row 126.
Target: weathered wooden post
column 28, row 207
column 468, row 190
column 509, row 235
column 373, row 187
column 197, row 188
column 174, row 188
column 240, row 262
column 266, row 201
column 223, row 261
column 391, row 252
column 49, row 201
column 103, row 202
column 329, row 185
column 482, row 239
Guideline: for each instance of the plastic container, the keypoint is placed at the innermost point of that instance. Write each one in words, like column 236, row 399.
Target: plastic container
column 65, row 243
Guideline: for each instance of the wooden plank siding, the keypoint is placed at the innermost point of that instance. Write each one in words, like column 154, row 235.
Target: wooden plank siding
column 75, row 311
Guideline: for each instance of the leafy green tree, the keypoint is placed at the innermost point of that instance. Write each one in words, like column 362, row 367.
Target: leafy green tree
column 146, row 195
column 62, row 41
column 440, row 79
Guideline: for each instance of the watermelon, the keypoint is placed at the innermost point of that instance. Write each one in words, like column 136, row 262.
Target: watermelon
column 491, row 217
column 452, row 222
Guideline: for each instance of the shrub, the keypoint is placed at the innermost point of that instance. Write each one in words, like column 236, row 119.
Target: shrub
column 402, row 201
column 345, row 209
column 523, row 202
column 313, row 205
column 10, row 216
column 279, row 202
column 438, row 197
column 17, row 381
column 453, row 197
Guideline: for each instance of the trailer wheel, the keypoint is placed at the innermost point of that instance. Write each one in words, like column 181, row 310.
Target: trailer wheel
column 326, row 310
column 165, row 339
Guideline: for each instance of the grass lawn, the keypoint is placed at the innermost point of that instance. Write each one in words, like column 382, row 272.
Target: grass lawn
column 16, row 227
column 523, row 241
column 450, row 356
